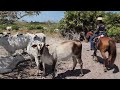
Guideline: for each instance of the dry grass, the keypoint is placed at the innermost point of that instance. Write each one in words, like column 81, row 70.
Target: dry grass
column 51, row 34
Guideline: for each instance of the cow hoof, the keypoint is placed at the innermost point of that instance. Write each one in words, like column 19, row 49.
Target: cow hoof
column 43, row 75
column 105, row 70
column 53, row 75
column 81, row 75
column 37, row 74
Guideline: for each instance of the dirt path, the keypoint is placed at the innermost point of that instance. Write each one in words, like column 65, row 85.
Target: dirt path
column 92, row 69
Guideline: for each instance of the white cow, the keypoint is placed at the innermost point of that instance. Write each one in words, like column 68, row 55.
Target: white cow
column 30, row 36
column 17, row 41
column 40, row 36
column 5, row 34
column 9, row 28
column 33, row 49
column 13, row 43
column 37, row 36
column 56, row 30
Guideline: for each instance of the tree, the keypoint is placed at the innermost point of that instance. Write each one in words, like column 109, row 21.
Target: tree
column 6, row 16
column 86, row 20
column 80, row 20
column 112, row 19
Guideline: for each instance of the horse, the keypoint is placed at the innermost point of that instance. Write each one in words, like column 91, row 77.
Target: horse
column 88, row 35
column 106, row 44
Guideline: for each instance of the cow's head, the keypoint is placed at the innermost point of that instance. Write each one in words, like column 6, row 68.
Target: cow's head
column 20, row 34
column 6, row 35
column 38, row 47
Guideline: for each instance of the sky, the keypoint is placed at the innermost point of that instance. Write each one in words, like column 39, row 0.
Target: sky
column 54, row 16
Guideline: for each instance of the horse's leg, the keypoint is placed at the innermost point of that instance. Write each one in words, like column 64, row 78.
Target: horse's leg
column 95, row 55
column 105, row 61
column 109, row 60
column 116, row 69
column 113, row 55
column 74, row 62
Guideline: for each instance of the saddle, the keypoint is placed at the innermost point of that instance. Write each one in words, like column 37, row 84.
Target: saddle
column 97, row 41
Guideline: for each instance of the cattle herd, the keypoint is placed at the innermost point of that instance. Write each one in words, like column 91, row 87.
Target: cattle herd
column 35, row 45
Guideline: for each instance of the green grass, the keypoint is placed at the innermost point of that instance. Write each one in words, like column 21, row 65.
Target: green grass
column 32, row 28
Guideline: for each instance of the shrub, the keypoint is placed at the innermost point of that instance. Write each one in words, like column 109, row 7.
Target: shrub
column 2, row 27
column 39, row 27
column 31, row 27
column 114, row 31
column 15, row 27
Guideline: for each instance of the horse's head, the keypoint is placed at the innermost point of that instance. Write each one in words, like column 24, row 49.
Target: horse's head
column 88, row 35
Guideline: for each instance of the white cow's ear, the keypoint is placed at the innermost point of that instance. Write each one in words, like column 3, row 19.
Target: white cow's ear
column 35, row 36
column 34, row 45
column 9, row 33
column 47, row 45
column 1, row 33
column 6, row 36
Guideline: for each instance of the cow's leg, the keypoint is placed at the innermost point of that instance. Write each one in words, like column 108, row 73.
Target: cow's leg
column 41, row 66
column 44, row 70
column 74, row 62
column 81, row 64
column 37, row 63
column 31, row 62
column 53, row 68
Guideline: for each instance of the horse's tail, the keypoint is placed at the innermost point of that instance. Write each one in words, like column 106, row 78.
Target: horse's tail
column 113, row 51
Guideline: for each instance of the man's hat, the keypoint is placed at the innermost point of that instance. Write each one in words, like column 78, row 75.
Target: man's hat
column 99, row 18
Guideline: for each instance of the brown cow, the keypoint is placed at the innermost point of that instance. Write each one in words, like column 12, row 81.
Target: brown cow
column 64, row 51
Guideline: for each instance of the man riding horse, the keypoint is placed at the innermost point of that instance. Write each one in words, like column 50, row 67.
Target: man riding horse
column 101, row 30
column 104, row 44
